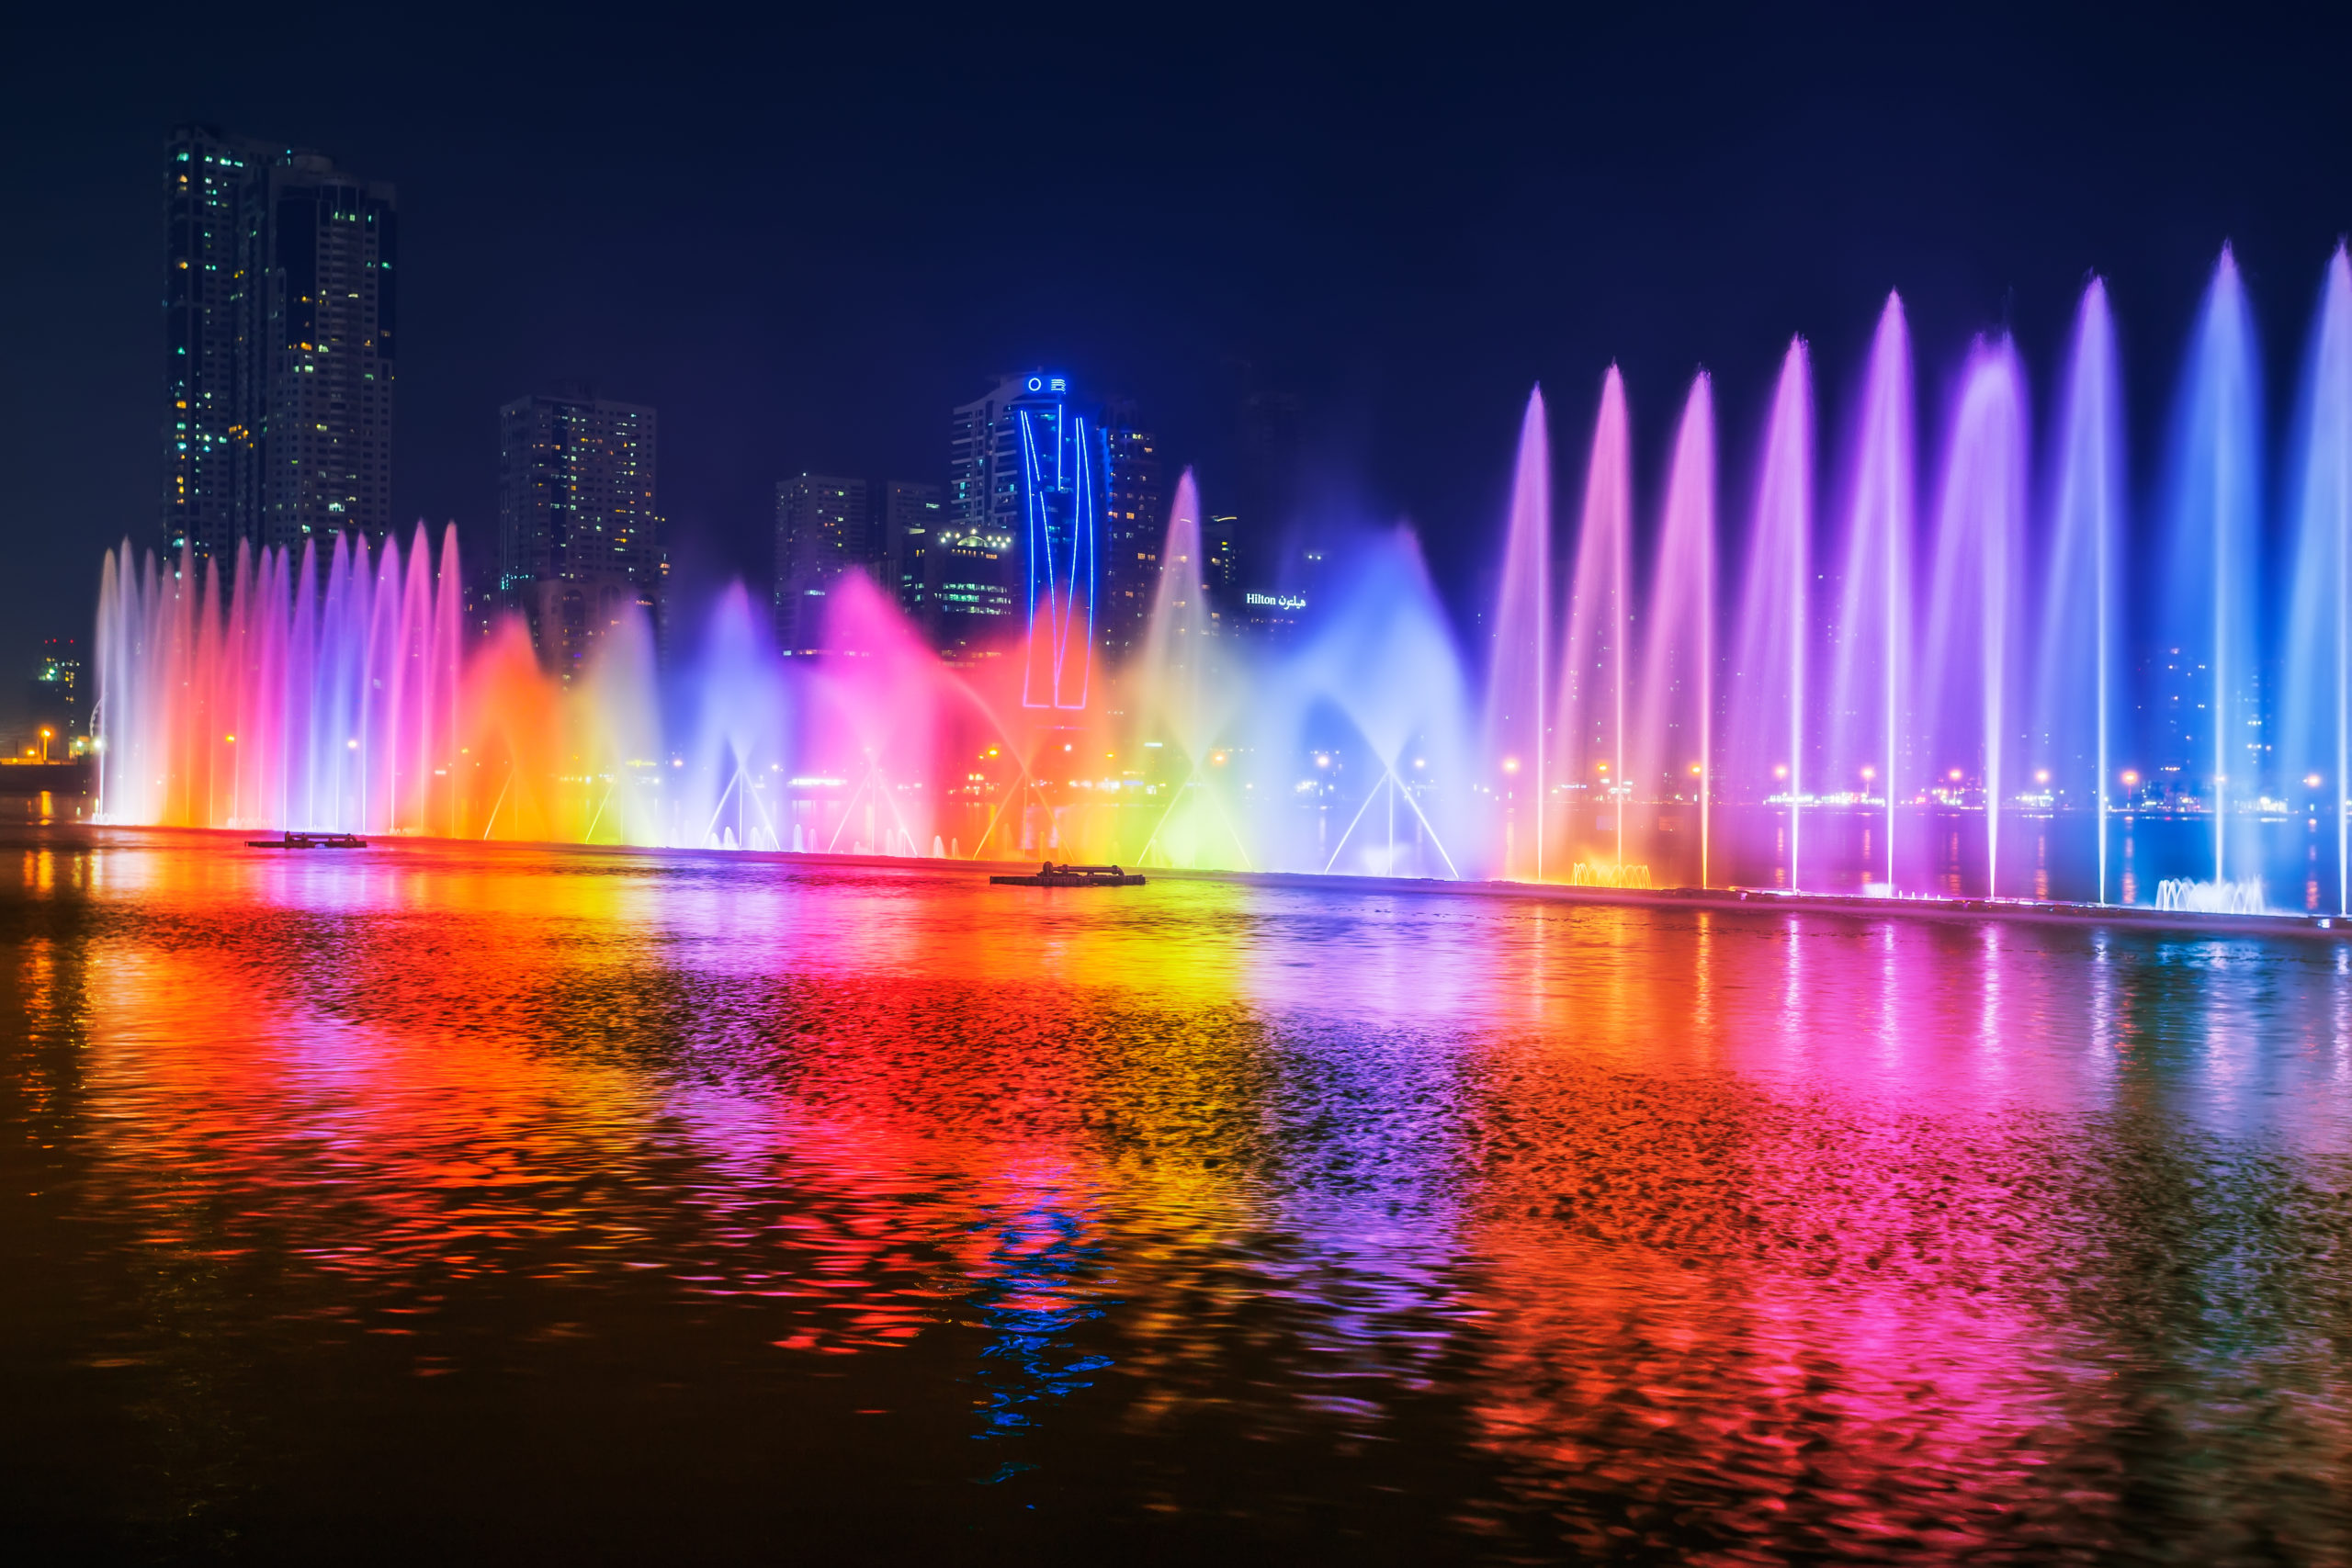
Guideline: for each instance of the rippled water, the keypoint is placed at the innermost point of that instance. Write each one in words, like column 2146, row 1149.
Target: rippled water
column 502, row 1204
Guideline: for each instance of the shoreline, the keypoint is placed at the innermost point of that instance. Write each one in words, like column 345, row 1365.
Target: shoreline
column 1729, row 900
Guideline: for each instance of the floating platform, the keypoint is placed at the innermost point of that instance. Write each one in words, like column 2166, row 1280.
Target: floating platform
column 1052, row 875
column 311, row 842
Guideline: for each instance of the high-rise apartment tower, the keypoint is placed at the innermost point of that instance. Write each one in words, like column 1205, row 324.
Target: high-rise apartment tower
column 579, row 533
column 1134, row 527
column 912, row 516
column 280, row 317
column 823, row 528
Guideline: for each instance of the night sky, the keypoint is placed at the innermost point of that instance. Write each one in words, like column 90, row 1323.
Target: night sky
column 804, row 241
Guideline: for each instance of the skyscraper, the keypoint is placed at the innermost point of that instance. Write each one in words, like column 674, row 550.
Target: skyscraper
column 978, row 549
column 326, row 428
column 912, row 516
column 1040, row 488
column 280, row 310
column 212, row 209
column 579, row 535
column 1134, row 527
column 823, row 529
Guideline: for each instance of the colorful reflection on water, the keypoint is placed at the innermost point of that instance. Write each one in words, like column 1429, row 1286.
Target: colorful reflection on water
column 631, row 1205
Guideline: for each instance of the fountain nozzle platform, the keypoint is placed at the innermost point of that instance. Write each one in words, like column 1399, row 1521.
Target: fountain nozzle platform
column 1052, row 875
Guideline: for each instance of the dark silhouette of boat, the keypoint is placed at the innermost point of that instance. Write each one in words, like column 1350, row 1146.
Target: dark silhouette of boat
column 311, row 842
column 1052, row 875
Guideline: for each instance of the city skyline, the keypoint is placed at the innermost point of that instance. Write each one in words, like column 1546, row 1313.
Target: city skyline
column 1170, row 784
column 278, row 328
column 1200, row 262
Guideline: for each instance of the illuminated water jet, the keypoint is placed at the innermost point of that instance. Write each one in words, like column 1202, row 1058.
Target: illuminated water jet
column 1844, row 686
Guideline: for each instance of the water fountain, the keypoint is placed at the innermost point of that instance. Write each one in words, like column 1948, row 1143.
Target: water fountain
column 1960, row 677
column 1871, row 636
column 1593, row 661
column 2206, row 697
column 2076, row 668
column 1766, row 733
column 1517, row 739
column 2317, row 732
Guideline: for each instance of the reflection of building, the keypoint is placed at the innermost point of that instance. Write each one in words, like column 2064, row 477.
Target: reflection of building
column 823, row 528
column 579, row 538
column 279, row 312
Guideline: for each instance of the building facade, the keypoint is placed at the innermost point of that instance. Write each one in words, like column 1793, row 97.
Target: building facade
column 1134, row 530
column 912, row 518
column 60, row 713
column 330, row 320
column 824, row 530
column 579, row 546
column 1050, row 543
column 212, row 209
column 280, row 312
column 977, row 553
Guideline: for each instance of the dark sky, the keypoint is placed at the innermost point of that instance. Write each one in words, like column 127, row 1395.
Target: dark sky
column 804, row 241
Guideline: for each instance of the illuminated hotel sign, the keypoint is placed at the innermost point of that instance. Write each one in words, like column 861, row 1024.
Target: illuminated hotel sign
column 1054, row 384
column 1276, row 601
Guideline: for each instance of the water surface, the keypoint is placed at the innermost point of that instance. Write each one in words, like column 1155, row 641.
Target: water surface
column 493, row 1205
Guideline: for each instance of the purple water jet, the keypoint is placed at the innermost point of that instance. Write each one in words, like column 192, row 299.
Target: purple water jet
column 1769, row 672
column 1871, row 633
column 1515, row 742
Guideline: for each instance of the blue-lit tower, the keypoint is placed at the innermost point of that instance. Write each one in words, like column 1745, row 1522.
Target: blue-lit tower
column 1047, row 541
column 1063, row 462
